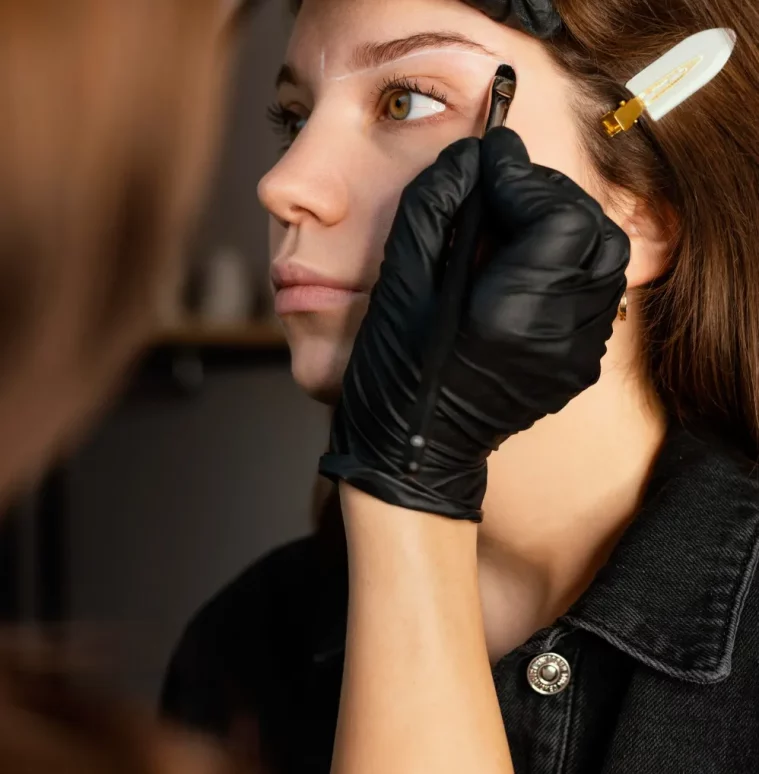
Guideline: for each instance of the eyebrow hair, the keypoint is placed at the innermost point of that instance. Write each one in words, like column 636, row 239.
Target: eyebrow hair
column 286, row 74
column 368, row 55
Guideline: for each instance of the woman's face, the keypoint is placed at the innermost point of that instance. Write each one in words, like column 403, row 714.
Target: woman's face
column 369, row 95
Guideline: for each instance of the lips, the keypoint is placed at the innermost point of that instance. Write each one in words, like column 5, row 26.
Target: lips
column 300, row 289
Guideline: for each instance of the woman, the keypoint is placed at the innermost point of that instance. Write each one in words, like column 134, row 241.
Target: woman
column 619, row 533
column 109, row 115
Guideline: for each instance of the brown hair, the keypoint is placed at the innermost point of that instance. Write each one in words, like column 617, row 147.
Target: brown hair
column 107, row 114
column 701, row 319
column 108, row 110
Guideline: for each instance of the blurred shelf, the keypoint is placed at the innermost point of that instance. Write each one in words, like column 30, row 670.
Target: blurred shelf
column 254, row 336
column 181, row 357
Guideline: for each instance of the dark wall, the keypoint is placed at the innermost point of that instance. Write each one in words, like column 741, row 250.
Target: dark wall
column 173, row 497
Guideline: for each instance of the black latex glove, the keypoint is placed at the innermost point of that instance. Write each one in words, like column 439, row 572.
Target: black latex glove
column 534, row 329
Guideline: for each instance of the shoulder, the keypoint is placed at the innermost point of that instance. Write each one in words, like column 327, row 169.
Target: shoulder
column 253, row 633
column 706, row 458
column 272, row 598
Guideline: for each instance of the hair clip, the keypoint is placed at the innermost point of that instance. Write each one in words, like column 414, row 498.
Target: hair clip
column 672, row 78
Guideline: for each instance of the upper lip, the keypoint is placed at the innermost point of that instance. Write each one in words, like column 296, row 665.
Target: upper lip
column 290, row 274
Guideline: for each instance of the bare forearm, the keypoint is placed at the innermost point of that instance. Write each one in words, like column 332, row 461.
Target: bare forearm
column 418, row 694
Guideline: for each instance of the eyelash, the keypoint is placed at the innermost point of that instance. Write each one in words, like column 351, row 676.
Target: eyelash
column 283, row 119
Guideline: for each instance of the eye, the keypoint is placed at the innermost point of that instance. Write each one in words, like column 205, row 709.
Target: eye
column 406, row 105
column 286, row 122
column 404, row 100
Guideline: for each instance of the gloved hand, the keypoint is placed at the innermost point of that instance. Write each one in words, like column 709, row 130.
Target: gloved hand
column 532, row 334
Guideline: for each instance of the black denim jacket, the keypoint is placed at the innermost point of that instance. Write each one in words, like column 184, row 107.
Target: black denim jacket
column 658, row 661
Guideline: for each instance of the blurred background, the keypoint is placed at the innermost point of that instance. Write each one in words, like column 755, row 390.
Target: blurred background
column 209, row 459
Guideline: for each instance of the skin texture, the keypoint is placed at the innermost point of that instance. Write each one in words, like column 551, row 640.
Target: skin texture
column 415, row 650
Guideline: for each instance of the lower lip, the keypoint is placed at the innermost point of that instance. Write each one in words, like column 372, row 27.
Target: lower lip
column 313, row 298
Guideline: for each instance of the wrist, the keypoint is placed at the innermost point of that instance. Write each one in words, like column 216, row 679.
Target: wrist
column 374, row 527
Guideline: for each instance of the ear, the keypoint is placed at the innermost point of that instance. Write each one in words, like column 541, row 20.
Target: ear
column 651, row 235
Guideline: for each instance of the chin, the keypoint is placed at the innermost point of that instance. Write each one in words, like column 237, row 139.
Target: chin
column 318, row 367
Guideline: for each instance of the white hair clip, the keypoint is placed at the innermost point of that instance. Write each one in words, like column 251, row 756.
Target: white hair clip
column 672, row 78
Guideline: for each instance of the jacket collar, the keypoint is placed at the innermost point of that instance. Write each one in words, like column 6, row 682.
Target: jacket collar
column 673, row 590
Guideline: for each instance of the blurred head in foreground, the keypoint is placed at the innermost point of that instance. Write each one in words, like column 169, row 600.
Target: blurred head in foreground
column 109, row 111
column 108, row 115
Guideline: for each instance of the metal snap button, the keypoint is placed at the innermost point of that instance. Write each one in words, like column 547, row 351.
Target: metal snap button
column 549, row 674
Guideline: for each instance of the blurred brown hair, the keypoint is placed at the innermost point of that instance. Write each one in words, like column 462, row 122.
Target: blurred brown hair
column 47, row 724
column 108, row 110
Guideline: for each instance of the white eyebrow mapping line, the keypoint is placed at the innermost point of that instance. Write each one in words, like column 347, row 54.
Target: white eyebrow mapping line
column 414, row 55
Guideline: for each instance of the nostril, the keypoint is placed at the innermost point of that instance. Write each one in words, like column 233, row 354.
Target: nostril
column 292, row 215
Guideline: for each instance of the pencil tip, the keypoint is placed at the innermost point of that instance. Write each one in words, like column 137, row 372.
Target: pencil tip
column 506, row 71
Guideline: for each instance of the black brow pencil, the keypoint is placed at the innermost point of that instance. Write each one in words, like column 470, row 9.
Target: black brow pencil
column 461, row 255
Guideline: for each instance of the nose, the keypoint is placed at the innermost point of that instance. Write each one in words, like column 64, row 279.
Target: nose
column 307, row 182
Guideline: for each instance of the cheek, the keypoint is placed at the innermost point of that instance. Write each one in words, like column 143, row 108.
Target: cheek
column 377, row 190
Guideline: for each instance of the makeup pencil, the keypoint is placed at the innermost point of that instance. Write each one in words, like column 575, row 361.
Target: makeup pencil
column 461, row 257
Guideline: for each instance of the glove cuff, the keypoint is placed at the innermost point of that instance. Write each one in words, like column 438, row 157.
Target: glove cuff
column 399, row 490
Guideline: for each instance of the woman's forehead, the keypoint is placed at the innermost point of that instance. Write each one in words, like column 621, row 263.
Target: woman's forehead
column 370, row 33
column 338, row 24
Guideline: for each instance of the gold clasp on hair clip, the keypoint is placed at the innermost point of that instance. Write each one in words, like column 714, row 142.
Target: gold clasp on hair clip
column 624, row 117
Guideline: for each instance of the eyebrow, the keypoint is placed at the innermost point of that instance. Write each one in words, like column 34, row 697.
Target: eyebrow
column 369, row 55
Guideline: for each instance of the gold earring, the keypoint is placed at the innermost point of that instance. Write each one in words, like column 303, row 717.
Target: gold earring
column 623, row 308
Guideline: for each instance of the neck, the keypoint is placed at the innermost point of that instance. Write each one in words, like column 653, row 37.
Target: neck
column 559, row 498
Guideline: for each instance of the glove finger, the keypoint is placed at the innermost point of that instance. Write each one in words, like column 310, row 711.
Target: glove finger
column 615, row 255
column 422, row 226
column 524, row 282
column 560, row 261
column 557, row 223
